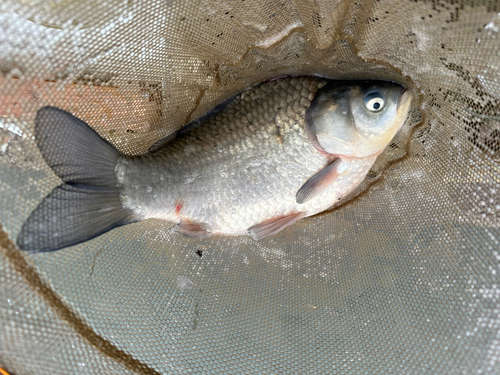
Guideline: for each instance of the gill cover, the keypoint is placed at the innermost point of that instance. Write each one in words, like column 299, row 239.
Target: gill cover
column 356, row 120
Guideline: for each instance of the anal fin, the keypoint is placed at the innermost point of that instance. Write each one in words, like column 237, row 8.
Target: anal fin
column 189, row 229
column 273, row 226
column 317, row 183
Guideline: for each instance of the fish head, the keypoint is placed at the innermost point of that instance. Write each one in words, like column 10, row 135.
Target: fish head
column 357, row 119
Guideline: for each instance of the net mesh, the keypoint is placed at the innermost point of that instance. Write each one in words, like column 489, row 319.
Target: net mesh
column 402, row 278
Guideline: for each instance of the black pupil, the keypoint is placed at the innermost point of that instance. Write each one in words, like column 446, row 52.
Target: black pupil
column 376, row 105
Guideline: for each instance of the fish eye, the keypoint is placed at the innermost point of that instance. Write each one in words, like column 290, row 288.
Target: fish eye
column 374, row 102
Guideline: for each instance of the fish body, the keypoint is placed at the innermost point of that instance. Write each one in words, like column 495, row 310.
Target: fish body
column 281, row 151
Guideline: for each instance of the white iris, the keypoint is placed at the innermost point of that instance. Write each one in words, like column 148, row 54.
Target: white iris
column 374, row 102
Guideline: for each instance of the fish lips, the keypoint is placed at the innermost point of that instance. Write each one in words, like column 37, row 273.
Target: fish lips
column 405, row 95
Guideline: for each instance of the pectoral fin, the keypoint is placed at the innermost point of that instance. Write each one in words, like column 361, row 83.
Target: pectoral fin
column 273, row 226
column 189, row 229
column 317, row 183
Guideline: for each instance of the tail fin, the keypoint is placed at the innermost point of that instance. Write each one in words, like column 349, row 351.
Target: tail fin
column 88, row 203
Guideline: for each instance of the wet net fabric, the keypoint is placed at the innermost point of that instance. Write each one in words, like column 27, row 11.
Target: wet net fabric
column 402, row 278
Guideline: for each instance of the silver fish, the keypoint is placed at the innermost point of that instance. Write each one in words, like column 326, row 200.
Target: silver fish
column 277, row 153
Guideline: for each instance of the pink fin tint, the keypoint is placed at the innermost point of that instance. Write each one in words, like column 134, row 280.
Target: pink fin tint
column 317, row 183
column 190, row 229
column 273, row 226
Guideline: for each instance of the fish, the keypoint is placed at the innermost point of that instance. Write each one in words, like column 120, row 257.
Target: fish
column 278, row 152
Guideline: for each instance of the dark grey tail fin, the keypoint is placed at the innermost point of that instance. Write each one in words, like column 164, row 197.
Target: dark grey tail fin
column 88, row 203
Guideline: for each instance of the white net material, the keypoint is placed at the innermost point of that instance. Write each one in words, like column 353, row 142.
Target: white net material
column 403, row 278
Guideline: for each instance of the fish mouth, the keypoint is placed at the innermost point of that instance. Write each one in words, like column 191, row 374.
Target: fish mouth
column 403, row 97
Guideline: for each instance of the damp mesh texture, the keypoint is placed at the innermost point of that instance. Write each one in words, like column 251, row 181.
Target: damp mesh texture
column 403, row 278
